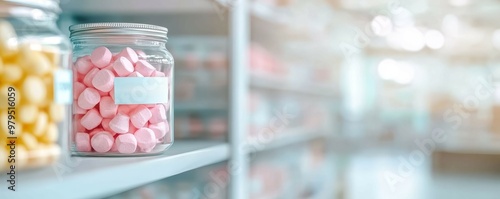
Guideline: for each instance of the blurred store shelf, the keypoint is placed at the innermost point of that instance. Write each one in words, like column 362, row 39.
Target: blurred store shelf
column 287, row 138
column 293, row 87
column 190, row 107
column 463, row 145
column 88, row 7
column 100, row 177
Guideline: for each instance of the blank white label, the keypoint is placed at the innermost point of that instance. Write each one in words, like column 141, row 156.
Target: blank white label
column 141, row 90
column 63, row 89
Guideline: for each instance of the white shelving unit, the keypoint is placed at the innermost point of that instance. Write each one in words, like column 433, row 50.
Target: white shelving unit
column 104, row 176
column 101, row 177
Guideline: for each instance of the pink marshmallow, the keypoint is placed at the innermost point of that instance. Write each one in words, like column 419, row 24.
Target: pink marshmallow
column 158, row 114
column 158, row 74
column 119, row 123
column 114, row 148
column 91, row 120
column 105, row 124
column 112, row 94
column 102, row 142
column 107, row 107
column 101, row 57
column 95, row 131
column 132, row 128
column 135, row 74
column 125, row 109
column 123, row 67
column 140, row 116
column 126, row 143
column 80, row 77
column 160, row 129
column 145, row 68
column 77, row 110
column 82, row 141
column 87, row 80
column 104, row 80
column 103, row 94
column 83, row 65
column 78, row 124
column 77, row 89
column 146, row 139
column 88, row 98
column 141, row 54
column 129, row 53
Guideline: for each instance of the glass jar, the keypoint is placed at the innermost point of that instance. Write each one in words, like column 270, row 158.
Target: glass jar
column 122, row 75
column 35, row 83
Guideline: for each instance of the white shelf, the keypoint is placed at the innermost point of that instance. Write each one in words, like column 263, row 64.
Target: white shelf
column 140, row 7
column 306, row 89
column 465, row 142
column 287, row 138
column 96, row 177
column 193, row 107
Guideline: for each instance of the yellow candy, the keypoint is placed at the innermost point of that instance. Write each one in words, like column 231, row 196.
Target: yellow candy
column 56, row 112
column 11, row 73
column 51, row 134
column 28, row 140
column 34, row 62
column 1, row 65
column 53, row 56
column 40, row 124
column 49, row 84
column 8, row 39
column 33, row 90
column 27, row 113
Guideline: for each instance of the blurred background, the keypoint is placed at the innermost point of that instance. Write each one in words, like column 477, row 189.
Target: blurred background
column 373, row 99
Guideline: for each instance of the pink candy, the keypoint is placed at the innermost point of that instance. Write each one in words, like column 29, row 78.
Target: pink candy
column 160, row 129
column 91, row 120
column 83, row 65
column 126, row 143
column 78, row 89
column 89, row 77
column 103, row 126
column 101, row 57
column 158, row 114
column 89, row 98
column 103, row 80
column 83, row 142
column 119, row 123
column 130, row 54
column 140, row 116
column 102, row 142
column 145, row 68
column 123, row 67
column 146, row 139
column 107, row 107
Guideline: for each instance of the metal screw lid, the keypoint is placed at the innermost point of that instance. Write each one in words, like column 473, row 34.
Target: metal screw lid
column 118, row 29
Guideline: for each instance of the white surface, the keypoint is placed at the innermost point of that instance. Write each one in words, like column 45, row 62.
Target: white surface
column 95, row 177
column 365, row 178
column 139, row 7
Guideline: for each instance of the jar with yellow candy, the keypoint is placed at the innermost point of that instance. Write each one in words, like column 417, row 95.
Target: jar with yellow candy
column 35, row 83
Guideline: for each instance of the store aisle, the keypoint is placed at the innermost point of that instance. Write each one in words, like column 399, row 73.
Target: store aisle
column 365, row 177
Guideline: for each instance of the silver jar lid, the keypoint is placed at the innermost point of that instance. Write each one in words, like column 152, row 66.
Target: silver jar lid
column 47, row 5
column 95, row 29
